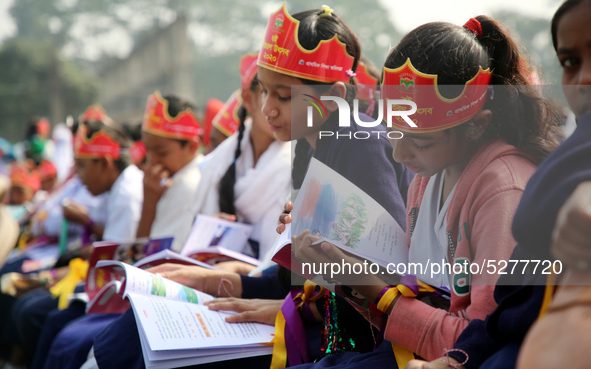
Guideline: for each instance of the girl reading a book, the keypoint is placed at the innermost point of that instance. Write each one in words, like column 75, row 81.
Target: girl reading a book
column 472, row 167
column 366, row 163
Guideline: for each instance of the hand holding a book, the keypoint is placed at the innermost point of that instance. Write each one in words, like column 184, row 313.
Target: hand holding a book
column 75, row 212
column 249, row 310
column 201, row 279
column 572, row 232
column 285, row 217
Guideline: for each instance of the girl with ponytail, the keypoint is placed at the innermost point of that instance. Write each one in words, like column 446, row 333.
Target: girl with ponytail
column 473, row 161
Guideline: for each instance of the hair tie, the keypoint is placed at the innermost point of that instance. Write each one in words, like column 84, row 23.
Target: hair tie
column 326, row 11
column 350, row 73
column 474, row 26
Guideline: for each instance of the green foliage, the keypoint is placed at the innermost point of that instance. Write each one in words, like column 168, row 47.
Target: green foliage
column 351, row 222
column 31, row 73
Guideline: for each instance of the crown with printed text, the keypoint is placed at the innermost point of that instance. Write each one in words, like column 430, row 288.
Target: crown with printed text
column 434, row 111
column 157, row 121
column 282, row 52
column 99, row 145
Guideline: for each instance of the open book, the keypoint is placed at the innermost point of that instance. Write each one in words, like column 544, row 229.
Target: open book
column 337, row 211
column 213, row 240
column 175, row 329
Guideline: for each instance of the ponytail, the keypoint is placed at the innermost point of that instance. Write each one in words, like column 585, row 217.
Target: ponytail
column 226, row 189
column 521, row 116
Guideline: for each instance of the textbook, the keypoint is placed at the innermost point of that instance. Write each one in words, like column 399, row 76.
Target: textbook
column 128, row 251
column 213, row 240
column 175, row 328
column 335, row 210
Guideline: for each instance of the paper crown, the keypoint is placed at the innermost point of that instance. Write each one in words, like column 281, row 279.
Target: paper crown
column 227, row 121
column 367, row 85
column 99, row 145
column 46, row 170
column 22, row 177
column 95, row 113
column 157, row 121
column 248, row 69
column 138, row 152
column 434, row 112
column 282, row 52
column 43, row 127
column 211, row 110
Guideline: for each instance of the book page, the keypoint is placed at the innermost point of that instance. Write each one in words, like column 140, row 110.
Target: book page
column 141, row 282
column 174, row 325
column 339, row 212
column 209, row 231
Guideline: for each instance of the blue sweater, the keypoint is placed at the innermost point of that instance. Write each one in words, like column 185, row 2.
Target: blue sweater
column 520, row 297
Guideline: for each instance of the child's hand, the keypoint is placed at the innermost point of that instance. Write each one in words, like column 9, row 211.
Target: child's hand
column 156, row 182
column 188, row 275
column 285, row 218
column 441, row 363
column 250, row 310
column 225, row 216
column 237, row 267
column 572, row 232
column 75, row 213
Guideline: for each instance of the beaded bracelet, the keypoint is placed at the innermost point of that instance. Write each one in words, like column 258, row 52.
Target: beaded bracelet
column 445, row 358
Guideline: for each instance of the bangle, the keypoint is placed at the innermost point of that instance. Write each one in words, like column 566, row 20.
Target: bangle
column 445, row 358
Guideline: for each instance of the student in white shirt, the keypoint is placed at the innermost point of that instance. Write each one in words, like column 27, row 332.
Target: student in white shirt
column 104, row 165
column 170, row 133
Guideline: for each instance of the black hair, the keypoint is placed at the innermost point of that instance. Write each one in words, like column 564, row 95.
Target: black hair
column 226, row 187
column 177, row 105
column 314, row 28
column 373, row 71
column 562, row 10
column 117, row 133
column 521, row 115
column 32, row 127
column 133, row 130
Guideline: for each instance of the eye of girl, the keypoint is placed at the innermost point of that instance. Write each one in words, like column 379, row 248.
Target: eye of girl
column 569, row 62
column 422, row 147
column 287, row 98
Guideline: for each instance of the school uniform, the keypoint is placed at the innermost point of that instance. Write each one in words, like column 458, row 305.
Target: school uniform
column 174, row 213
column 123, row 206
column 366, row 163
column 491, row 342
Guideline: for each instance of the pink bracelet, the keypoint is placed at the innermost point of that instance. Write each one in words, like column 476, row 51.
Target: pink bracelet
column 445, row 358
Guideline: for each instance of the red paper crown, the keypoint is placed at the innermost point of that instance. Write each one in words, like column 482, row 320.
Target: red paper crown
column 248, row 69
column 227, row 121
column 282, row 52
column 99, row 145
column 158, row 122
column 43, row 127
column 138, row 152
column 95, row 113
column 46, row 170
column 22, row 177
column 367, row 84
column 211, row 110
column 434, row 112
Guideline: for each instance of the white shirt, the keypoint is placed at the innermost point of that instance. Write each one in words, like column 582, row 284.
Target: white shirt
column 48, row 219
column 174, row 211
column 124, row 206
column 428, row 242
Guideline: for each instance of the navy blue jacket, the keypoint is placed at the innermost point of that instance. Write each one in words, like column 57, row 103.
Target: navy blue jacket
column 520, row 297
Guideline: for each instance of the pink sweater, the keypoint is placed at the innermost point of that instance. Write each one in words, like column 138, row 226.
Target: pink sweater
column 479, row 228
